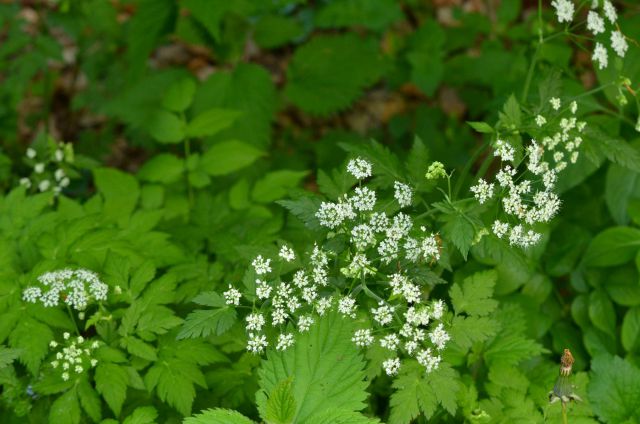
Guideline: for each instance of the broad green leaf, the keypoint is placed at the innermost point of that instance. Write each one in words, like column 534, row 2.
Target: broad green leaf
column 210, row 122
column 425, row 56
column 613, row 246
column 66, row 409
column 481, row 127
column 137, row 347
column 620, row 184
column 327, row 370
column 111, row 383
column 329, row 72
column 218, row 416
column 474, row 297
column 166, row 127
column 274, row 30
column 281, row 406
column 631, row 330
column 276, row 184
column 460, row 229
column 31, row 338
column 338, row 416
column 467, row 330
column 511, row 349
column 601, row 311
column 163, row 168
column 229, row 156
column 614, row 390
column 89, row 400
column 179, row 95
column 7, row 356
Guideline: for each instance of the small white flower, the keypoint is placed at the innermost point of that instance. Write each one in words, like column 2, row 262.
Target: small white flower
column 64, row 182
column 232, row 296
column 304, row 323
column 362, row 338
column 564, row 10
column 78, row 369
column 323, row 305
column 500, row 228
column 31, row 153
column 504, row 151
column 257, row 343
column 402, row 193
column 555, row 103
column 38, row 168
column 619, row 43
column 610, row 12
column 287, row 253
column 66, row 335
column 540, row 120
column 427, row 360
column 437, row 309
column 362, row 236
column 391, row 366
column 439, row 337
column 255, row 322
column 430, row 248
column 595, row 23
column 94, row 362
column 59, row 155
column 44, row 185
column 379, row 222
column 390, row 341
column 600, row 56
column 482, row 191
column 65, row 376
column 261, row 265
column 285, row 340
column 263, row 289
column 364, row 199
column 383, row 314
column 347, row 306
column 359, row 168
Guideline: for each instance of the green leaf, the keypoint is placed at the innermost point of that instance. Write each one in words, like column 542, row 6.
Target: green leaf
column 218, row 416
column 276, row 184
column 329, row 72
column 229, row 156
column 460, row 230
column 620, row 184
column 481, row 127
column 511, row 349
column 179, row 95
column 65, row 409
column 162, row 168
column 137, row 347
column 467, row 331
column 425, row 56
column 111, row 383
column 326, row 368
column 166, row 127
column 273, row 31
column 614, row 246
column 120, row 191
column 211, row 121
column 7, row 356
column 204, row 322
column 281, row 406
column 376, row 15
column 339, row 416
column 511, row 115
column 601, row 312
column 142, row 415
column 89, row 400
column 304, row 208
column 631, row 330
column 474, row 297
column 32, row 339
column 614, row 390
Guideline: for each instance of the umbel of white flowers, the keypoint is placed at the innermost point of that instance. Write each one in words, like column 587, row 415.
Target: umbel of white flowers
column 76, row 288
column 528, row 197
column 74, row 356
column 404, row 322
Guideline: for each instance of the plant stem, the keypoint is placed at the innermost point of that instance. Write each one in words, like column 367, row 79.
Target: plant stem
column 187, row 154
column 564, row 414
column 534, row 59
column 73, row 320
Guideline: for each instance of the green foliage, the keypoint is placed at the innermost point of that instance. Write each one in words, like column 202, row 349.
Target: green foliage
column 614, row 389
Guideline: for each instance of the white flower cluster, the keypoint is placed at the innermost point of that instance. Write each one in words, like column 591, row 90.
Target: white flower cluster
column 74, row 355
column 381, row 248
column 43, row 179
column 76, row 288
column 532, row 200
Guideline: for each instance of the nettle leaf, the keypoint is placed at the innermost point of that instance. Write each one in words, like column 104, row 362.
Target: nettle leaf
column 614, row 389
column 613, row 246
column 273, row 31
column 327, row 370
column 218, row 416
column 281, row 405
column 460, row 229
column 228, row 156
column 111, row 382
column 329, row 72
column 620, row 185
column 66, row 409
column 417, row 392
column 474, row 297
column 204, row 322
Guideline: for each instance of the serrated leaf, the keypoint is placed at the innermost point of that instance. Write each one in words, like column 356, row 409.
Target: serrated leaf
column 304, row 208
column 474, row 297
column 460, row 230
column 276, row 184
column 383, row 160
column 89, row 400
column 7, row 356
column 614, row 390
column 467, row 331
column 137, row 347
column 120, row 191
column 227, row 157
column 32, row 339
column 281, row 406
column 327, row 370
column 111, row 383
column 65, row 409
column 218, row 416
column 329, row 72
column 338, row 416
column 204, row 322
column 511, row 349
column 142, row 415
column 210, row 122
column 173, row 379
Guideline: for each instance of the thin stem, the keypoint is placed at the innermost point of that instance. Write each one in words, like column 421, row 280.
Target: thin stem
column 564, row 414
column 75, row 325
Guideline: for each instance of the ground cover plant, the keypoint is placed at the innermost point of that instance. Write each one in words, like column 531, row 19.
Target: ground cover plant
column 341, row 211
